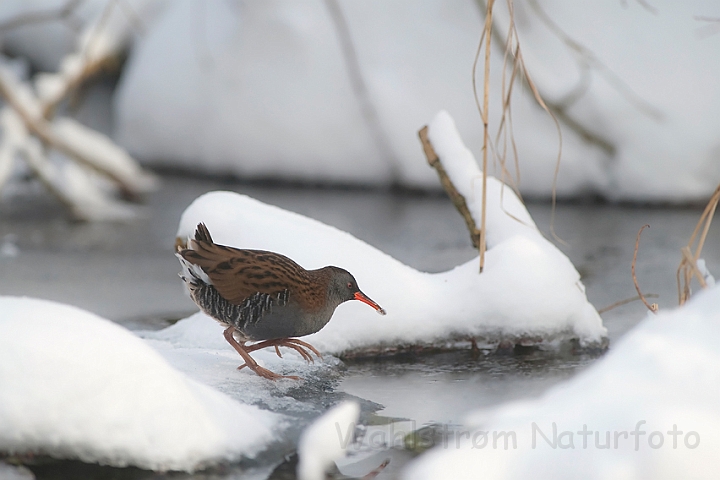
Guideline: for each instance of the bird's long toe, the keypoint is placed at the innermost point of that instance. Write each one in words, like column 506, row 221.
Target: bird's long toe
column 305, row 345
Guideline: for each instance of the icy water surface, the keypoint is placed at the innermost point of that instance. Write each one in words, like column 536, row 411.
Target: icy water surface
column 128, row 273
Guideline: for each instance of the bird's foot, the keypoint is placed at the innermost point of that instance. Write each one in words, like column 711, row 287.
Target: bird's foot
column 249, row 361
column 265, row 373
column 298, row 345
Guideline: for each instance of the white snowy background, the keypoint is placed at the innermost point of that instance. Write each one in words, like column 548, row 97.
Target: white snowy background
column 336, row 91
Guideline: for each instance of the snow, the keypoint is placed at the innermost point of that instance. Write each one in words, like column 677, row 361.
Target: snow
column 75, row 385
column 529, row 292
column 326, row 441
column 661, row 379
column 262, row 90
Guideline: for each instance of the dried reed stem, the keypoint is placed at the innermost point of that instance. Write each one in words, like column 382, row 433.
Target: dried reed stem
column 654, row 307
column 688, row 264
column 486, row 136
column 625, row 302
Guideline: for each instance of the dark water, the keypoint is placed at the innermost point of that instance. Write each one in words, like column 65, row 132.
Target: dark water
column 126, row 272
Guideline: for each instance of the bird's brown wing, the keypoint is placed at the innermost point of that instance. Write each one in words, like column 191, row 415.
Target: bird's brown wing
column 238, row 274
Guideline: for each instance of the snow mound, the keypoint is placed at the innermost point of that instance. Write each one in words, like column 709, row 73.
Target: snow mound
column 648, row 409
column 321, row 443
column 529, row 292
column 75, row 385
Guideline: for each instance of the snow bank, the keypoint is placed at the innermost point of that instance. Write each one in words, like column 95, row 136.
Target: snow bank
column 77, row 386
column 529, row 292
column 320, row 445
column 661, row 381
column 264, row 90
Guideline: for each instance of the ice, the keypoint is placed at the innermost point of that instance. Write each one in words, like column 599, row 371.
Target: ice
column 661, row 381
column 75, row 385
column 196, row 346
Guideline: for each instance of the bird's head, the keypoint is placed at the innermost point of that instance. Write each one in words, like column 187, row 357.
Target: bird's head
column 344, row 287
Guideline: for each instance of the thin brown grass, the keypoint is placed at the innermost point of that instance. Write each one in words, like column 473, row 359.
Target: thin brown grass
column 688, row 264
column 513, row 56
column 484, row 38
column 654, row 307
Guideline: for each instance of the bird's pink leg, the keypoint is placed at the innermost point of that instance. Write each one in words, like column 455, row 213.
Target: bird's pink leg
column 249, row 361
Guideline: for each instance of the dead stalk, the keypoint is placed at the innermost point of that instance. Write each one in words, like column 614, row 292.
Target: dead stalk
column 486, row 97
column 625, row 302
column 519, row 71
column 688, row 264
column 654, row 307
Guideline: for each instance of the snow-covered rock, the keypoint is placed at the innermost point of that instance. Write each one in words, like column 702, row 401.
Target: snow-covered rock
column 263, row 89
column 529, row 291
column 74, row 385
column 648, row 410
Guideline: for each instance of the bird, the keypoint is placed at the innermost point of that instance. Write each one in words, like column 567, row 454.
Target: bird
column 263, row 297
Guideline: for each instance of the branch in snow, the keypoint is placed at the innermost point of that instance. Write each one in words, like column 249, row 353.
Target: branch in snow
column 457, row 199
column 100, row 44
column 70, row 183
column 66, row 137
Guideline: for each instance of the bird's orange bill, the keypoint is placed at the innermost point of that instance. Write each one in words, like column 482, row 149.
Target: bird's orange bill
column 365, row 299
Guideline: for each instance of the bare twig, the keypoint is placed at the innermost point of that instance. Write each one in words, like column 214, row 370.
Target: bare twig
column 455, row 196
column 654, row 307
column 626, row 301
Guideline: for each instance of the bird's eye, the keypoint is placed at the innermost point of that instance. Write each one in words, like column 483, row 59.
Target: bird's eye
column 349, row 285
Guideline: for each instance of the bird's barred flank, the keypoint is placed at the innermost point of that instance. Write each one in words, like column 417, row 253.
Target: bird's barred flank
column 247, row 313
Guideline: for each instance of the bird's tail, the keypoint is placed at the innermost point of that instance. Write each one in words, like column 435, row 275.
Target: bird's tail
column 191, row 274
column 202, row 234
